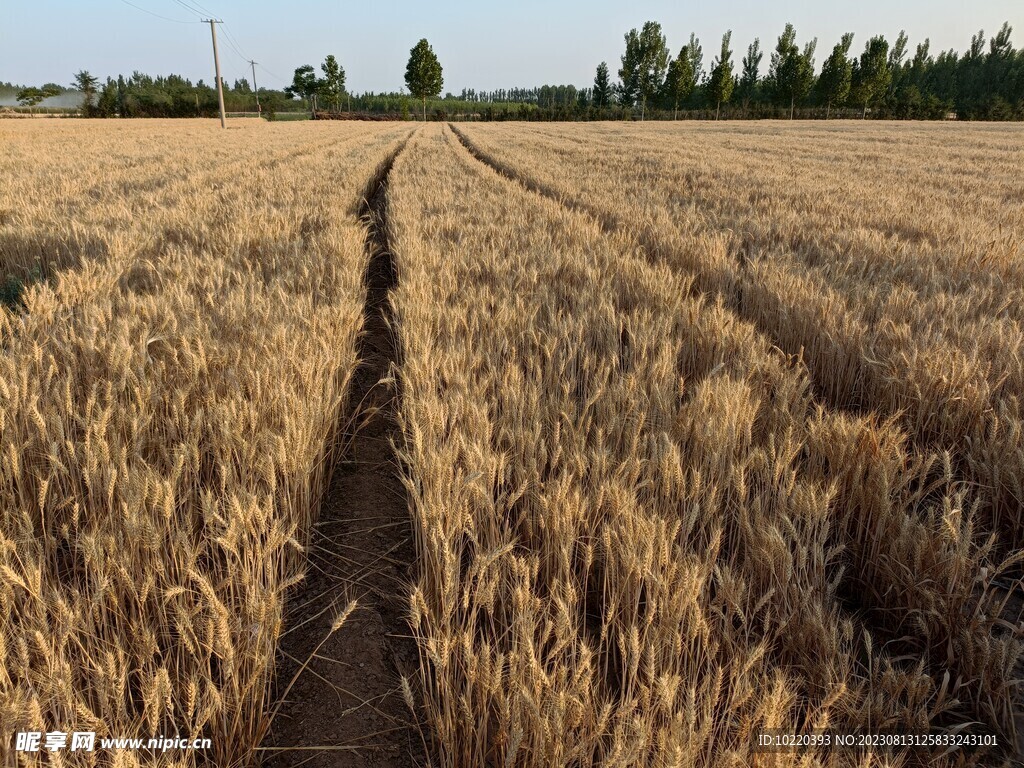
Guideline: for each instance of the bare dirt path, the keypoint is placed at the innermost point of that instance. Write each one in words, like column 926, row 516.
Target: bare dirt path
column 346, row 708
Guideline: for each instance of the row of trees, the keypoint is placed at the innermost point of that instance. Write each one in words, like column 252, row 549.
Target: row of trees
column 544, row 95
column 986, row 82
column 980, row 84
column 423, row 78
column 141, row 95
column 330, row 87
column 32, row 96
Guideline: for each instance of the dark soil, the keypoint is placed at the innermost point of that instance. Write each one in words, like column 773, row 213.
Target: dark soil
column 346, row 708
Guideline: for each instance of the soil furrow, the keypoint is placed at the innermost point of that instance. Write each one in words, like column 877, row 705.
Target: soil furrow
column 607, row 223
column 345, row 707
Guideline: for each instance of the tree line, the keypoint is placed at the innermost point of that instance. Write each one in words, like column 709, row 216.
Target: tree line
column 884, row 80
column 142, row 95
column 424, row 78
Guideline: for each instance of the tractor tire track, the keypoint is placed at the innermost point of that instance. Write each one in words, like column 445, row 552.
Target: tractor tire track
column 346, row 706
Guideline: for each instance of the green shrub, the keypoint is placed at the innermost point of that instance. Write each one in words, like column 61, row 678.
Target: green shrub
column 12, row 289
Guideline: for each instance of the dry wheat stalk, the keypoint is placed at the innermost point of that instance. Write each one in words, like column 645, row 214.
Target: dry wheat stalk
column 169, row 401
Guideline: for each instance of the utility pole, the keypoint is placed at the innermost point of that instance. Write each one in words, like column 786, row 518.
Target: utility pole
column 216, row 64
column 259, row 110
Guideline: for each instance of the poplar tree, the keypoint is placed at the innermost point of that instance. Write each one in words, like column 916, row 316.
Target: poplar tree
column 644, row 64
column 602, row 86
column 87, row 84
column 696, row 54
column 792, row 72
column 423, row 74
column 836, row 74
column 679, row 81
column 333, row 84
column 872, row 75
column 305, row 85
column 721, row 82
column 628, row 71
column 749, row 77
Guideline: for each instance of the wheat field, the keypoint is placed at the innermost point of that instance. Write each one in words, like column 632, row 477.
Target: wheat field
column 644, row 533
column 705, row 430
column 890, row 258
column 167, row 412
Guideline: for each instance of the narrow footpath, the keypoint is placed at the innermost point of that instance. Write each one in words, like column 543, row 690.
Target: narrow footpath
column 346, row 707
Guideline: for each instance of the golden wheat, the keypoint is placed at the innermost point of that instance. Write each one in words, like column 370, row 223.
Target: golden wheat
column 641, row 540
column 708, row 429
column 890, row 259
column 169, row 402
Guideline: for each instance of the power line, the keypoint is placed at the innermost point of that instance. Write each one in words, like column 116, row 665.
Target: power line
column 237, row 52
column 232, row 41
column 237, row 49
column 201, row 7
column 276, row 77
column 231, row 36
column 194, row 7
column 157, row 15
column 234, row 44
column 191, row 8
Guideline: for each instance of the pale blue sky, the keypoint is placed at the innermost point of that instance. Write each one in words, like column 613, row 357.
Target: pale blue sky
column 481, row 45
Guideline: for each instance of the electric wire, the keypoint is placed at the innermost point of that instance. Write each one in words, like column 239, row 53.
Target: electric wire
column 191, row 8
column 233, row 43
column 200, row 10
column 156, row 15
